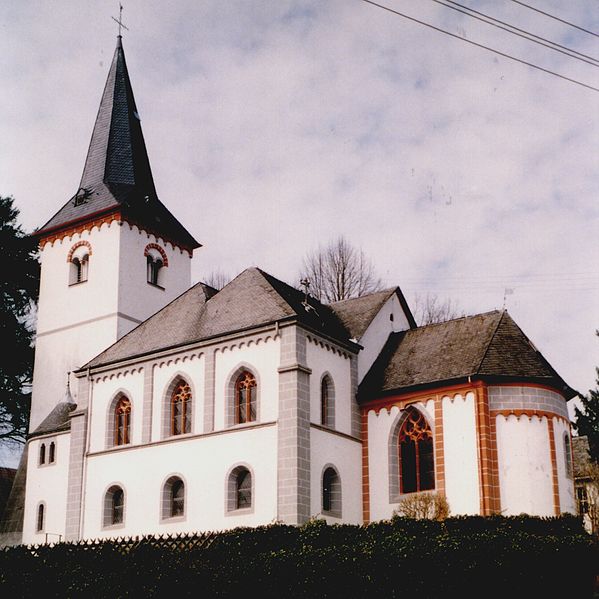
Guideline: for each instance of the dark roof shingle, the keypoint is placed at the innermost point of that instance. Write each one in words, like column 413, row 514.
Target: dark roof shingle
column 117, row 173
column 489, row 345
column 254, row 298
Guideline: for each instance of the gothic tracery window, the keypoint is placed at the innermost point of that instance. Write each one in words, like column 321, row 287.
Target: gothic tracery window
column 122, row 422
column 416, row 454
column 245, row 398
column 181, row 409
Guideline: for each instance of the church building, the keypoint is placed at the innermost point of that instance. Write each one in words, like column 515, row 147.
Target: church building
column 161, row 407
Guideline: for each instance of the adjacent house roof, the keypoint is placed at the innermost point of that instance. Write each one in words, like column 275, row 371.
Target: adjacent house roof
column 487, row 346
column 254, row 298
column 356, row 314
column 117, row 174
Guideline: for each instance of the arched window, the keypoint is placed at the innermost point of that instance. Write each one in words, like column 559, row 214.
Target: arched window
column 181, row 409
column 173, row 498
column 331, row 492
column 42, row 459
column 568, row 455
column 79, row 268
column 114, row 506
column 40, row 518
column 327, row 402
column 52, row 453
column 239, row 489
column 154, row 266
column 245, row 398
column 122, row 421
column 416, row 457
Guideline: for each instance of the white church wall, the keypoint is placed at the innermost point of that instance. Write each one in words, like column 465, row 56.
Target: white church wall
column 323, row 358
column 525, row 470
column 46, row 484
column 378, row 331
column 189, row 366
column 460, row 451
column 565, row 483
column 136, row 296
column 95, row 297
column 262, row 356
column 203, row 463
column 345, row 455
column 75, row 322
column 104, row 390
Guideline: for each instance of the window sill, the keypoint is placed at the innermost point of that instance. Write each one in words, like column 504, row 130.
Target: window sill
column 331, row 514
column 246, row 511
column 77, row 283
column 155, row 285
column 113, row 526
column 170, row 519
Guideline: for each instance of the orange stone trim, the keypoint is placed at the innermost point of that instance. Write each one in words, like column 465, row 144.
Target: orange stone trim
column 159, row 249
column 487, row 455
column 530, row 414
column 79, row 229
column 88, row 225
column 78, row 245
column 552, row 451
column 365, row 469
column 439, row 448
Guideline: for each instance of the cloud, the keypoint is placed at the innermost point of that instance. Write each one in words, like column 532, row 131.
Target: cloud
column 275, row 126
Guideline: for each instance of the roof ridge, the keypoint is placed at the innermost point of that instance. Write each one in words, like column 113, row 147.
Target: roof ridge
column 466, row 316
column 389, row 290
column 480, row 363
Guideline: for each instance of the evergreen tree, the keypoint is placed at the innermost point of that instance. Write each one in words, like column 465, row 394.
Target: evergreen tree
column 19, row 280
column 587, row 421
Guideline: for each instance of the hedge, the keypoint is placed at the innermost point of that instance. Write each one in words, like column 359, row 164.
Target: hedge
column 459, row 557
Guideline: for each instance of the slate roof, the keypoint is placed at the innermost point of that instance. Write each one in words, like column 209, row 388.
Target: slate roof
column 117, row 173
column 356, row 314
column 254, row 298
column 487, row 346
column 56, row 421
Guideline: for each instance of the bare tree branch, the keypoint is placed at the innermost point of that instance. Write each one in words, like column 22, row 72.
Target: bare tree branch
column 217, row 279
column 339, row 271
column 430, row 309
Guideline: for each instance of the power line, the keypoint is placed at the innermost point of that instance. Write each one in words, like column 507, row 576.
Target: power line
column 556, row 18
column 514, row 31
column 530, row 64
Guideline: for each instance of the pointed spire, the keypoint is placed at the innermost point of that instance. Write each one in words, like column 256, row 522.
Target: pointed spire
column 117, row 177
column 68, row 398
column 117, row 152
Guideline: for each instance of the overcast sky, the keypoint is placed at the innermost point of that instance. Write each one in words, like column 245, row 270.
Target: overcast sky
column 273, row 126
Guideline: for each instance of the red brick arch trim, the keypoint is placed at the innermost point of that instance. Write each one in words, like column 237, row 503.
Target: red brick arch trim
column 75, row 247
column 155, row 246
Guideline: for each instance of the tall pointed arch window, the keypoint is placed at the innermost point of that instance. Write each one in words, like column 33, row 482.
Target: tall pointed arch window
column 245, row 398
column 122, row 421
column 568, row 455
column 181, row 409
column 42, row 456
column 327, row 402
column 416, row 454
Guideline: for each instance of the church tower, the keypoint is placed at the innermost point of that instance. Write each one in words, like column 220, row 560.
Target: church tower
column 111, row 256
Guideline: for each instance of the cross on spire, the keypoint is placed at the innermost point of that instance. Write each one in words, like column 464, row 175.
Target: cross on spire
column 120, row 20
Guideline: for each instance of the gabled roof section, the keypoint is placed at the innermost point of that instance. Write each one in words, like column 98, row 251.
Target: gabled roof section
column 356, row 314
column 56, row 421
column 487, row 346
column 254, row 298
column 117, row 174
